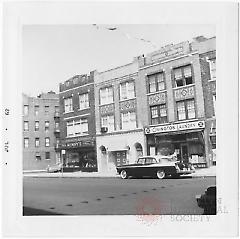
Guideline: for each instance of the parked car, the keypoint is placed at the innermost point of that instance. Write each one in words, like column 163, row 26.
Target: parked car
column 208, row 200
column 155, row 166
column 54, row 168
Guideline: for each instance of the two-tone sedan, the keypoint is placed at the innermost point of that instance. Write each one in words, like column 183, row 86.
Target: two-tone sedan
column 154, row 166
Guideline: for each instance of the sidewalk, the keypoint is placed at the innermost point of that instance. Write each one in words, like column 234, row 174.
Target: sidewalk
column 203, row 172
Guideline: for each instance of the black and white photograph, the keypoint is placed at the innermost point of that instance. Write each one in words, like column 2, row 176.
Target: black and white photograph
column 120, row 118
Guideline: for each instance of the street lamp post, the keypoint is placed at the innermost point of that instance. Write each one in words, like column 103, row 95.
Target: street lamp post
column 63, row 153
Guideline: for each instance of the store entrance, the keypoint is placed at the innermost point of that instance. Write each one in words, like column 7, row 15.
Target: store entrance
column 184, row 155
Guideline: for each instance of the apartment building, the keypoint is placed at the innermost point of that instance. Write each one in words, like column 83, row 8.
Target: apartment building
column 40, row 131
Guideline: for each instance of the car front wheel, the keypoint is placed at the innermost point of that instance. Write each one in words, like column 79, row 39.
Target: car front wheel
column 160, row 174
column 123, row 174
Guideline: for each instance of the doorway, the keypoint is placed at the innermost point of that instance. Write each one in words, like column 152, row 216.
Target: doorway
column 184, row 153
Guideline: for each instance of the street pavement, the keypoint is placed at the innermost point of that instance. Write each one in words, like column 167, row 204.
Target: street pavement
column 113, row 196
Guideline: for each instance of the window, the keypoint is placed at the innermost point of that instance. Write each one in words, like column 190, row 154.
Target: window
column 37, row 156
column 183, row 76
column 77, row 127
column 37, row 142
column 158, row 114
column 108, row 121
column 128, row 120
column 46, row 125
column 214, row 104
column 47, row 155
column 57, row 108
column 57, row 125
column 150, row 160
column 26, row 126
column 186, row 109
column 212, row 64
column 141, row 161
column 26, row 142
column 68, row 105
column 36, row 110
column 156, row 82
column 47, row 142
column 46, row 109
column 36, row 125
column 25, row 110
column 106, row 95
column 83, row 101
column 127, row 90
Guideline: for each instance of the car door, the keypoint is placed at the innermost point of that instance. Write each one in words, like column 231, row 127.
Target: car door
column 149, row 168
column 138, row 170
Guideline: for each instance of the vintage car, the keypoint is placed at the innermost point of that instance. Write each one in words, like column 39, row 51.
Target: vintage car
column 54, row 168
column 155, row 166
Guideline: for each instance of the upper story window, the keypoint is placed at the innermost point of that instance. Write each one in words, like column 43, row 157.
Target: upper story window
column 36, row 125
column 46, row 107
column 47, row 125
column 47, row 142
column 83, row 101
column 127, row 90
column 156, row 82
column 36, row 110
column 186, row 109
column 106, row 95
column 77, row 127
column 56, row 108
column 108, row 121
column 26, row 126
column 158, row 114
column 68, row 107
column 212, row 64
column 26, row 142
column 183, row 76
column 37, row 142
column 25, row 110
column 128, row 120
column 214, row 104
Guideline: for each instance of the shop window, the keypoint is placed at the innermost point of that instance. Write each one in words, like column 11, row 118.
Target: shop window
column 128, row 120
column 47, row 156
column 107, row 121
column 183, row 76
column 68, row 107
column 83, row 101
column 37, row 142
column 47, row 142
column 186, row 109
column 212, row 65
column 36, row 125
column 26, row 126
column 158, row 114
column 26, row 142
column 106, row 95
column 127, row 90
column 156, row 82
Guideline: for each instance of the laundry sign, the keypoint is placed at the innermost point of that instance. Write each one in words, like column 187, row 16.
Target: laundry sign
column 175, row 127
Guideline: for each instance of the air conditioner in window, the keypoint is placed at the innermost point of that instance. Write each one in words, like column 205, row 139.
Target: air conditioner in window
column 104, row 129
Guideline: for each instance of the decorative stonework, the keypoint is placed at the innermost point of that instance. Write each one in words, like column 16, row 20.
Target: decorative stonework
column 184, row 93
column 105, row 109
column 127, row 105
column 158, row 98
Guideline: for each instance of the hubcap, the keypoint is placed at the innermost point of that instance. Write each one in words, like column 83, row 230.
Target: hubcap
column 124, row 174
column 160, row 174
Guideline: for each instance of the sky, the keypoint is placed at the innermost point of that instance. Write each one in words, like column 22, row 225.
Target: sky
column 54, row 53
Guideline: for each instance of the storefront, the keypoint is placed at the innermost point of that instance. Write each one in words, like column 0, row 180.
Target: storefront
column 184, row 140
column 79, row 154
column 119, row 149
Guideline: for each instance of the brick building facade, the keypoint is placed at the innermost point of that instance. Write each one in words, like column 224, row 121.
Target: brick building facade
column 40, row 131
column 77, row 122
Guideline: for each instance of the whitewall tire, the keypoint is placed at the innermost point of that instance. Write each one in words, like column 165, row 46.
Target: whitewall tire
column 123, row 174
column 160, row 174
